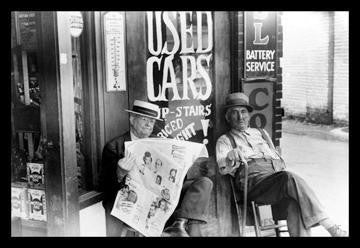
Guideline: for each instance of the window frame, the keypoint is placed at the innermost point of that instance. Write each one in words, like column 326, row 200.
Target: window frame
column 91, row 108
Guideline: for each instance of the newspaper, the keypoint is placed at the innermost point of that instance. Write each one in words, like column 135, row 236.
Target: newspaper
column 152, row 187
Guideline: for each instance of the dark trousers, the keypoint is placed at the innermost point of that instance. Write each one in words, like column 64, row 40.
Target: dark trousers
column 114, row 226
column 270, row 184
column 194, row 199
column 193, row 204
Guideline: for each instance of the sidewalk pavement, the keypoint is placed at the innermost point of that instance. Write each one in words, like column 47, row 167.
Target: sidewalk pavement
column 327, row 132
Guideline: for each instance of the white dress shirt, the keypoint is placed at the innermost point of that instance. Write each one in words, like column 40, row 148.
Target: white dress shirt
column 251, row 144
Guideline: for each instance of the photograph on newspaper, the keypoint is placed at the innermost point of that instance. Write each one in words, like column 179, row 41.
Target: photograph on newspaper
column 152, row 187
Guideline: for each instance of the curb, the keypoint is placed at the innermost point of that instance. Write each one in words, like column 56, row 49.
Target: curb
column 340, row 134
column 326, row 132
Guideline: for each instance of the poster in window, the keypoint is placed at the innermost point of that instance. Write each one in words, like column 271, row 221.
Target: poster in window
column 37, row 204
column 179, row 71
column 35, row 174
column 27, row 24
column 19, row 207
column 114, row 35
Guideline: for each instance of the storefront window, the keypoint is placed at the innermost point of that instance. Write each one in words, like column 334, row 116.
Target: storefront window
column 180, row 74
column 25, row 95
column 79, row 113
column 27, row 142
column 27, row 164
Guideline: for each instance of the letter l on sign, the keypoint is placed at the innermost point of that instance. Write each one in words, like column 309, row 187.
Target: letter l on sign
column 258, row 40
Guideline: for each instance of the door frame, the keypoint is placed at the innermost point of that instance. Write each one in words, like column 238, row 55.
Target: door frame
column 58, row 124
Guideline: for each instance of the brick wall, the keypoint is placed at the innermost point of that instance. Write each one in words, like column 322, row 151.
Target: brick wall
column 341, row 67
column 306, row 67
column 279, row 82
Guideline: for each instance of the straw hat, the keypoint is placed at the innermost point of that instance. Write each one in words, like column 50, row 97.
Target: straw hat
column 145, row 109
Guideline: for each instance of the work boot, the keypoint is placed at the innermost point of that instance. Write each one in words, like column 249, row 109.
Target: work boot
column 193, row 228
column 177, row 229
column 336, row 231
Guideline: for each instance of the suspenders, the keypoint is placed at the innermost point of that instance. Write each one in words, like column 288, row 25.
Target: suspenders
column 264, row 136
column 232, row 140
column 271, row 145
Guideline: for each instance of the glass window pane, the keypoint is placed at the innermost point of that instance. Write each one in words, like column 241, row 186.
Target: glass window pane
column 182, row 74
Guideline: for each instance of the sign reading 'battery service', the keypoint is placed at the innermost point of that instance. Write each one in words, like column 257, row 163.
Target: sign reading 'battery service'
column 260, row 44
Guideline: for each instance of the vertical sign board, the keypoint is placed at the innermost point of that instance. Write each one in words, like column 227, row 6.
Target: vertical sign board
column 114, row 35
column 260, row 67
column 180, row 72
column 261, row 97
column 260, row 45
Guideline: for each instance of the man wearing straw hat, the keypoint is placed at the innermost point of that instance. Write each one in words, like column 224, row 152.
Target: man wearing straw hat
column 250, row 149
column 195, row 194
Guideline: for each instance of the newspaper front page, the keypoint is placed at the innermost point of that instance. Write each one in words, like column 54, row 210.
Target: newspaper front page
column 152, row 187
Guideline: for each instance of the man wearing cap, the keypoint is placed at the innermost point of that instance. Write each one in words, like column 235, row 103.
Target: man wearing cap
column 195, row 194
column 268, row 181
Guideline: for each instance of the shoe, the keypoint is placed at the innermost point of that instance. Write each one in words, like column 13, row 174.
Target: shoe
column 177, row 229
column 336, row 231
column 165, row 234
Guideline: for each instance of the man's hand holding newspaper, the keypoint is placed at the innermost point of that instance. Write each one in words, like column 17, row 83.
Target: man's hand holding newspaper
column 125, row 165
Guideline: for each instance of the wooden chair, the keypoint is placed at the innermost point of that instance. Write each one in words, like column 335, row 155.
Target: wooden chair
column 242, row 217
column 259, row 215
column 264, row 221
